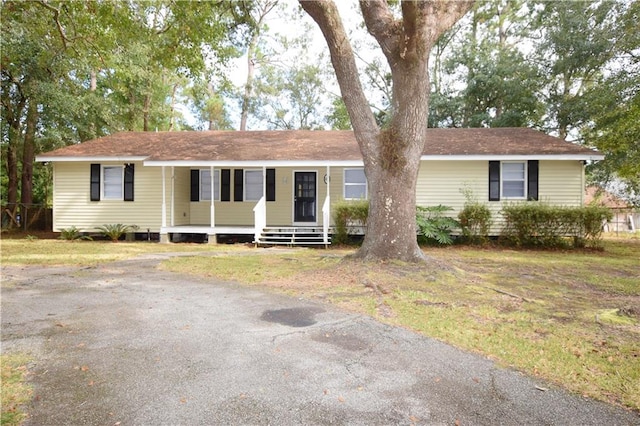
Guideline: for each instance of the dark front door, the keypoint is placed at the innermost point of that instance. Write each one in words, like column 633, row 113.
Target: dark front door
column 304, row 197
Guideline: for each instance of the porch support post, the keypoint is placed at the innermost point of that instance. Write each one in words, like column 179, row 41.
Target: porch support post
column 264, row 182
column 164, row 236
column 173, row 187
column 212, row 239
column 326, row 210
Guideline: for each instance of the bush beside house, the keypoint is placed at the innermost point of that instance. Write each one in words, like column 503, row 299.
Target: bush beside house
column 531, row 225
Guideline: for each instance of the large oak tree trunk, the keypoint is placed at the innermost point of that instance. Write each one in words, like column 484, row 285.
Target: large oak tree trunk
column 392, row 154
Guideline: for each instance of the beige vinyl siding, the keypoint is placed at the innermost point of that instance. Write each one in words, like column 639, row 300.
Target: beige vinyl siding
column 439, row 182
column 444, row 182
column 561, row 182
column 72, row 205
column 181, row 198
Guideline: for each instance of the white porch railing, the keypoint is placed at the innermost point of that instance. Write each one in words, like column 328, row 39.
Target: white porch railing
column 259, row 218
column 326, row 219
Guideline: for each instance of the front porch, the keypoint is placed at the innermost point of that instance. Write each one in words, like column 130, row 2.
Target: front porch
column 270, row 235
column 284, row 210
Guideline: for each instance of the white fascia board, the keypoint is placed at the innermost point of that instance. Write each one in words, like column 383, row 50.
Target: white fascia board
column 279, row 163
column 558, row 157
column 126, row 159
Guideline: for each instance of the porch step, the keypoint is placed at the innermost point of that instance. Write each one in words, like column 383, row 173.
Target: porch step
column 292, row 236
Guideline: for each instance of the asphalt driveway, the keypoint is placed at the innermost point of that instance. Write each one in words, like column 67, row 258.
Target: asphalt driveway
column 127, row 344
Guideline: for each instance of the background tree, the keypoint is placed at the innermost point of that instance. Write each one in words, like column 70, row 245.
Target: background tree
column 493, row 85
column 338, row 118
column 208, row 104
column 254, row 55
column 614, row 111
column 290, row 98
column 391, row 154
column 576, row 42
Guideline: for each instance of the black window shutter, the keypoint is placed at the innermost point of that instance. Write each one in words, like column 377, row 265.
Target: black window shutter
column 95, row 182
column 271, row 184
column 532, row 180
column 238, row 187
column 195, row 185
column 225, row 185
column 494, row 181
column 128, row 181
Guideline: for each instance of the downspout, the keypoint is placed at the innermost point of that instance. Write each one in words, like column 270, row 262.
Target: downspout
column 582, row 184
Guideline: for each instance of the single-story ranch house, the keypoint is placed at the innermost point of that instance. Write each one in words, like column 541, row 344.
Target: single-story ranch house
column 280, row 183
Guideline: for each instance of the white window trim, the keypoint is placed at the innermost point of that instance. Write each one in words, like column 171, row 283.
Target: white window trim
column 524, row 181
column 345, row 184
column 244, row 184
column 215, row 183
column 103, row 195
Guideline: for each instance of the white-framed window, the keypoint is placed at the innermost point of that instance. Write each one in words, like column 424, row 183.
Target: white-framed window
column 112, row 182
column 514, row 179
column 205, row 185
column 253, row 187
column 355, row 184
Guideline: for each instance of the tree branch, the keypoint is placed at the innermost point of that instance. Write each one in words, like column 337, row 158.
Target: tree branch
column 56, row 18
column 326, row 15
column 382, row 26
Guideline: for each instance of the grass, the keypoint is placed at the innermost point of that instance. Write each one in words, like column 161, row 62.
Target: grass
column 15, row 391
column 568, row 317
column 88, row 253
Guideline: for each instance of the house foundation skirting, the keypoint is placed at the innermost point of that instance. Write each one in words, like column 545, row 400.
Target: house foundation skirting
column 211, row 231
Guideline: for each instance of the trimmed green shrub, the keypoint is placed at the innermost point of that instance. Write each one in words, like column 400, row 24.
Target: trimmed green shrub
column 434, row 227
column 475, row 222
column 543, row 225
column 347, row 214
column 114, row 231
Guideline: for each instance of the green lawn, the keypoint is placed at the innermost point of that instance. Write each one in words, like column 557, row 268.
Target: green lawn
column 569, row 317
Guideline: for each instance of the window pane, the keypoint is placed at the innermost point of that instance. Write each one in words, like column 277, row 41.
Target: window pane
column 112, row 183
column 355, row 191
column 354, row 176
column 513, row 188
column 205, row 185
column 252, row 185
column 355, row 184
column 513, row 171
column 216, row 185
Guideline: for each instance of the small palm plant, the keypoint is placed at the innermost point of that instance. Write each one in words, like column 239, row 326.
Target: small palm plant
column 114, row 231
column 433, row 224
column 72, row 234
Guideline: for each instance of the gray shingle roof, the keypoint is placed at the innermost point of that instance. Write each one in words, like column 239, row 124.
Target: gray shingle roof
column 303, row 145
